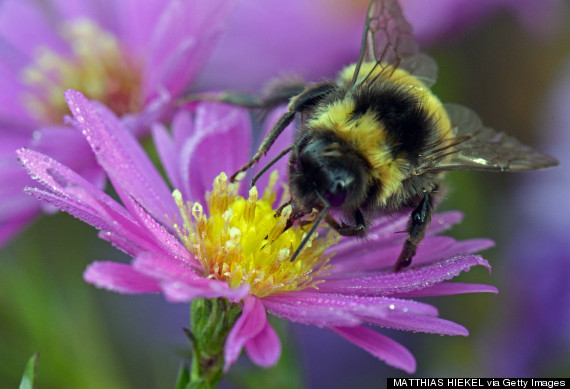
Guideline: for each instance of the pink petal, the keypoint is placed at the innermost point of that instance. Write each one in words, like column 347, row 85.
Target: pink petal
column 250, row 324
column 318, row 316
column 386, row 231
column 429, row 253
column 160, row 236
column 389, row 230
column 14, row 205
column 418, row 323
column 25, row 27
column 169, row 149
column 80, row 211
column 73, row 9
column 374, row 255
column 183, row 126
column 382, row 347
column 14, row 115
column 123, row 232
column 265, row 348
column 181, row 284
column 221, row 142
column 168, row 155
column 323, row 309
column 448, row 288
column 119, row 277
column 75, row 195
column 122, row 157
column 121, row 243
column 135, row 21
column 65, row 145
column 153, row 111
column 181, row 41
column 388, row 283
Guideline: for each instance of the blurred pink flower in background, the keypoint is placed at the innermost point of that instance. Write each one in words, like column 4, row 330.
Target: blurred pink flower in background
column 231, row 247
column 315, row 39
column 136, row 57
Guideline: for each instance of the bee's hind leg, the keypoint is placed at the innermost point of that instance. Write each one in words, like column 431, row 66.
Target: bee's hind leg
column 359, row 229
column 417, row 225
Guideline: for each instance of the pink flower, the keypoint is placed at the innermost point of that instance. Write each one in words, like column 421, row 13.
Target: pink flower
column 224, row 245
column 136, row 57
column 315, row 39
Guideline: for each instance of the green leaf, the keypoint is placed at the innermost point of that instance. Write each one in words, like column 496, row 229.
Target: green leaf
column 199, row 384
column 183, row 377
column 29, row 373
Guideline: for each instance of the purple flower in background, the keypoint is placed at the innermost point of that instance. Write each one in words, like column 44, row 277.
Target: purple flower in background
column 220, row 244
column 534, row 340
column 135, row 57
column 315, row 39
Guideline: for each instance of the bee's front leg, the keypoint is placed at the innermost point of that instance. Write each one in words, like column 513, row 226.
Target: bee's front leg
column 419, row 220
column 277, row 93
column 359, row 229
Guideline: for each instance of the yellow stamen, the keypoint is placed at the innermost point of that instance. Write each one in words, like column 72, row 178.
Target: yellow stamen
column 97, row 66
column 242, row 241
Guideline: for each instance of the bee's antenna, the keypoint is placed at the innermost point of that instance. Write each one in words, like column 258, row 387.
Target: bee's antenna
column 318, row 220
column 269, row 164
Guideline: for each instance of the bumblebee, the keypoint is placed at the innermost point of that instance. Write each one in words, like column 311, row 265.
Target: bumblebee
column 377, row 140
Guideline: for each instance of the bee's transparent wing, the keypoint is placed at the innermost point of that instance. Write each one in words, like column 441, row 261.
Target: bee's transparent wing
column 388, row 40
column 476, row 147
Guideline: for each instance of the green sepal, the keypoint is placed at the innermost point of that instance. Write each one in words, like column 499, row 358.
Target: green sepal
column 211, row 320
column 29, row 376
column 199, row 384
column 183, row 377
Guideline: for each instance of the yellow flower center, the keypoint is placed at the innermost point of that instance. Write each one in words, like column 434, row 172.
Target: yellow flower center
column 97, row 66
column 243, row 241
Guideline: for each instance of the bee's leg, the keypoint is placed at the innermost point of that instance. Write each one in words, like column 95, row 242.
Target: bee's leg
column 346, row 230
column 419, row 220
column 269, row 164
column 267, row 142
column 245, row 100
column 280, row 209
column 301, row 102
column 279, row 92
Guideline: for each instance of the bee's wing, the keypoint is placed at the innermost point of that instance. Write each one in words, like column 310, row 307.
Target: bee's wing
column 476, row 147
column 388, row 40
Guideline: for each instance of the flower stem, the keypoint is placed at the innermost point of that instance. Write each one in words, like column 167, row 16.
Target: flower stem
column 210, row 323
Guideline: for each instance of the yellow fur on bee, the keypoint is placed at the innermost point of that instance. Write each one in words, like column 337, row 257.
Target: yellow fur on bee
column 367, row 135
column 403, row 78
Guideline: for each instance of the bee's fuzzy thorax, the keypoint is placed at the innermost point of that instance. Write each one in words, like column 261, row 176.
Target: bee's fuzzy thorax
column 389, row 123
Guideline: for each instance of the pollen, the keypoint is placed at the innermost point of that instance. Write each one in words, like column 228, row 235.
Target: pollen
column 96, row 65
column 243, row 241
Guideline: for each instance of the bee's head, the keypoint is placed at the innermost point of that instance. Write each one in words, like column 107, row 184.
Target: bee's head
column 327, row 168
